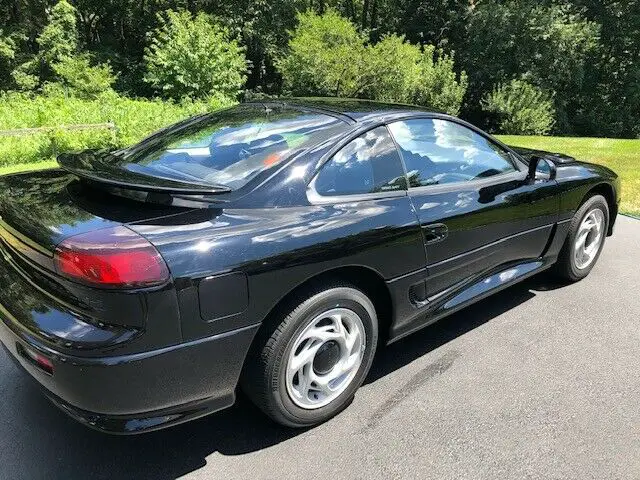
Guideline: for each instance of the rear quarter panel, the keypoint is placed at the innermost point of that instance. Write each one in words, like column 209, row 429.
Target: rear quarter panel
column 280, row 248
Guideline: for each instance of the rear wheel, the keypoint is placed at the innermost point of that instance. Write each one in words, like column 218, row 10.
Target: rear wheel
column 309, row 364
column 585, row 239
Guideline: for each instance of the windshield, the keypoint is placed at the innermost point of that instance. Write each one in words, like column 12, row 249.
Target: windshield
column 228, row 148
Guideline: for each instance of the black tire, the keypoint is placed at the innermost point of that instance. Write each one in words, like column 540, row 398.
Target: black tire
column 566, row 267
column 264, row 375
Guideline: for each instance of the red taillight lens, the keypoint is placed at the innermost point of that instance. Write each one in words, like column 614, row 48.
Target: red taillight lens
column 112, row 257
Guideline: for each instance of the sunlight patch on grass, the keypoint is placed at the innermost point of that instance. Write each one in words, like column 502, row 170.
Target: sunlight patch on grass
column 27, row 167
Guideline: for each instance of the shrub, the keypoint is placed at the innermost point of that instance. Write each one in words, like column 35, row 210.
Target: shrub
column 521, row 108
column 393, row 70
column 194, row 57
column 78, row 76
column 83, row 79
column 437, row 84
column 134, row 120
column 328, row 57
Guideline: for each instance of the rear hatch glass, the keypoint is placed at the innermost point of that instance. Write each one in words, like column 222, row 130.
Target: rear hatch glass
column 217, row 152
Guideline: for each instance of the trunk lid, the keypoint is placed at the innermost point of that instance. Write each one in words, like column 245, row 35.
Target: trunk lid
column 41, row 209
column 38, row 211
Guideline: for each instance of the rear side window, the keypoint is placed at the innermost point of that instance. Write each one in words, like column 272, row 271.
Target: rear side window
column 367, row 164
column 438, row 151
column 230, row 147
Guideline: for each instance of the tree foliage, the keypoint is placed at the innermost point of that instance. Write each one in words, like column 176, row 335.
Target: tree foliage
column 194, row 57
column 586, row 53
column 76, row 74
column 521, row 108
column 549, row 46
column 328, row 56
column 8, row 52
column 58, row 65
column 438, row 85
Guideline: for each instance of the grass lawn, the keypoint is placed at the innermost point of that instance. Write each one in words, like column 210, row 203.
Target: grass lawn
column 622, row 156
column 25, row 167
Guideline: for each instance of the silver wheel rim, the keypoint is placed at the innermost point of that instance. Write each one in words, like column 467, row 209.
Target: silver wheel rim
column 337, row 330
column 589, row 238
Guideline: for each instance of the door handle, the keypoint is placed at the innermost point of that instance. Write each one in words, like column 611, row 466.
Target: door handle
column 435, row 232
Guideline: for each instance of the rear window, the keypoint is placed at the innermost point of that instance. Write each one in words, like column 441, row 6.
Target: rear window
column 231, row 147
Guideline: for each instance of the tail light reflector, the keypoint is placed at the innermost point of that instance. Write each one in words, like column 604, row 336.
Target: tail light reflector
column 112, row 257
column 42, row 362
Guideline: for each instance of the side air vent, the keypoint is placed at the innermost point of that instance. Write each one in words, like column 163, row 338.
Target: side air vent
column 418, row 293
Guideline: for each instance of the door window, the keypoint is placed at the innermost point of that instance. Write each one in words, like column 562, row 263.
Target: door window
column 439, row 151
column 368, row 164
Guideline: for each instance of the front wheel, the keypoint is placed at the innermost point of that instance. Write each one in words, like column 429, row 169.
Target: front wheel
column 585, row 239
column 306, row 368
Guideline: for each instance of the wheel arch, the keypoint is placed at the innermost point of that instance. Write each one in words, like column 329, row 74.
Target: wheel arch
column 606, row 190
column 364, row 278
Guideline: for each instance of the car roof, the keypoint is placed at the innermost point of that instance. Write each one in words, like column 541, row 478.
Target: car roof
column 355, row 110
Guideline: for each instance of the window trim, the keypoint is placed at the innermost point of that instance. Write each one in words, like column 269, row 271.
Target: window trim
column 316, row 198
column 502, row 177
column 470, row 184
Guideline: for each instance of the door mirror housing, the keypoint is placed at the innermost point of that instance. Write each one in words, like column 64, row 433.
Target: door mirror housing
column 541, row 170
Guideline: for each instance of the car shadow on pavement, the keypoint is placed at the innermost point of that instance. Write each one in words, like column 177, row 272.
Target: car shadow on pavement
column 431, row 337
column 42, row 442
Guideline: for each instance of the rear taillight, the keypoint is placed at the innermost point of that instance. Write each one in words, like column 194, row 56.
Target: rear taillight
column 111, row 257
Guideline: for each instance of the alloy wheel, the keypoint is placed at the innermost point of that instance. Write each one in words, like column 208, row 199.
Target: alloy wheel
column 325, row 358
column 589, row 238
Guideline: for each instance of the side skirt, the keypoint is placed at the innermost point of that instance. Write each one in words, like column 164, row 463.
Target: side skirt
column 462, row 295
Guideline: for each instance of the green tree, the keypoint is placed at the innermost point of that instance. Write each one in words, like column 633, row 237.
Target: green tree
column 438, row 85
column 548, row 45
column 393, row 70
column 57, row 41
column 57, row 65
column 326, row 56
column 521, row 108
column 610, row 102
column 191, row 56
column 8, row 54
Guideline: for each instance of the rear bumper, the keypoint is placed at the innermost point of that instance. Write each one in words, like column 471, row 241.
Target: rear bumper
column 138, row 392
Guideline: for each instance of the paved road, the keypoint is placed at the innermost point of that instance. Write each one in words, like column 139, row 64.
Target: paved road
column 540, row 381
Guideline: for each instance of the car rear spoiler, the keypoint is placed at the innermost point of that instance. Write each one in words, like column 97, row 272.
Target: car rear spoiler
column 88, row 166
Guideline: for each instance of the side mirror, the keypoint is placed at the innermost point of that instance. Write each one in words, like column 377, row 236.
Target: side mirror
column 541, row 170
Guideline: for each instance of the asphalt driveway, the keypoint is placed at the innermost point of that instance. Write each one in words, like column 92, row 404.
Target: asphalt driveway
column 540, row 381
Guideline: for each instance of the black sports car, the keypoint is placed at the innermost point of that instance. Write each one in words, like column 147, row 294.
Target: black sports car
column 273, row 246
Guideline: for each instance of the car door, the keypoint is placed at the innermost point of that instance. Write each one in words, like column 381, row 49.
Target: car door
column 477, row 209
